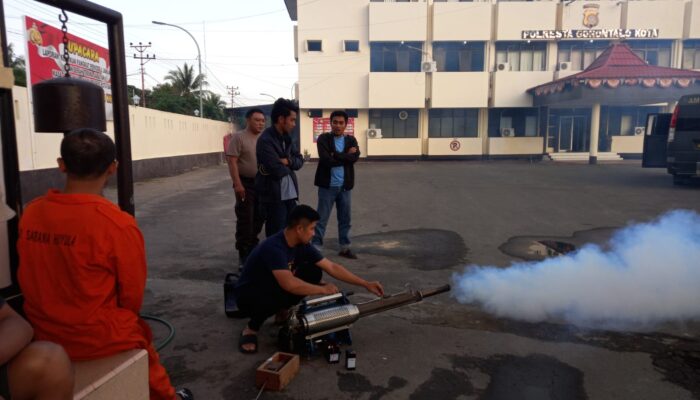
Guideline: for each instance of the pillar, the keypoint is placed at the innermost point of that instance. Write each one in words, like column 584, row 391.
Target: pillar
column 595, row 133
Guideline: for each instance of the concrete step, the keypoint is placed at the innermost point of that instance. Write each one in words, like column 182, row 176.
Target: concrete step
column 121, row 376
column 607, row 156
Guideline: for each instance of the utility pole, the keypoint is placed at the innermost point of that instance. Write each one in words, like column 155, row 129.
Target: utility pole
column 143, row 59
column 233, row 92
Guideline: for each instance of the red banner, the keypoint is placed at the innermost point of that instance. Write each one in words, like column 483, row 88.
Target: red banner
column 87, row 60
column 323, row 125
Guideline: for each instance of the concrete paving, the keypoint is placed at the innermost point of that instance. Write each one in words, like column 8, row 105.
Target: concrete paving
column 417, row 223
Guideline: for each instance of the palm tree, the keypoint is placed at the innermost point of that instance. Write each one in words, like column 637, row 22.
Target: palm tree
column 184, row 80
column 214, row 106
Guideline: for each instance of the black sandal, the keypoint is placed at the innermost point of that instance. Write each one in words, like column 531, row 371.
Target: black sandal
column 248, row 339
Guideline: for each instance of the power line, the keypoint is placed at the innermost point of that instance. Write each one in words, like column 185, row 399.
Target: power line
column 73, row 26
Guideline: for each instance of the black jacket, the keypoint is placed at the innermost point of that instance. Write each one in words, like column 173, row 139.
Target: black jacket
column 329, row 158
column 270, row 148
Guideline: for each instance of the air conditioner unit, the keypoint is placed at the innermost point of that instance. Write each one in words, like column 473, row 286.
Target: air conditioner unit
column 374, row 133
column 639, row 130
column 564, row 66
column 504, row 66
column 428, row 66
column 507, row 132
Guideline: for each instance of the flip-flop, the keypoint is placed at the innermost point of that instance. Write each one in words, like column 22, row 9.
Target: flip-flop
column 248, row 339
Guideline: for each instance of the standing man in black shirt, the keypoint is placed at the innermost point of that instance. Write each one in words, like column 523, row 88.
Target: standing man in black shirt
column 335, row 178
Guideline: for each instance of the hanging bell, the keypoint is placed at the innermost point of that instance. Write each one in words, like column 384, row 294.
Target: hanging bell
column 64, row 104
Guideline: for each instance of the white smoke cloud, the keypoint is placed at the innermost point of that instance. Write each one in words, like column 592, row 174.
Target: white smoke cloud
column 649, row 275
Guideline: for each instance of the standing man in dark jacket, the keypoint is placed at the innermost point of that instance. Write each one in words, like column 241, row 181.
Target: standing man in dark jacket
column 335, row 178
column 278, row 158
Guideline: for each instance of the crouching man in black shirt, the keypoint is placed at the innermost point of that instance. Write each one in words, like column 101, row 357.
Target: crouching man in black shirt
column 282, row 270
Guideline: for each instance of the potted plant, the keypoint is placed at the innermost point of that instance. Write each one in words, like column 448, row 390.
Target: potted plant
column 307, row 155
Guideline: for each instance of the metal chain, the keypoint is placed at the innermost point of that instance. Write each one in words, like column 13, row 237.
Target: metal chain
column 63, row 17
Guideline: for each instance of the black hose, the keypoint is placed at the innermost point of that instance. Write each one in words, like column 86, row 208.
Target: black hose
column 167, row 324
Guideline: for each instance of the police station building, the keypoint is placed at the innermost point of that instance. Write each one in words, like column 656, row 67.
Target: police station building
column 433, row 78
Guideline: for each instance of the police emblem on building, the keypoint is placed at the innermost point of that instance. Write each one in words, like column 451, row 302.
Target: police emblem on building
column 590, row 15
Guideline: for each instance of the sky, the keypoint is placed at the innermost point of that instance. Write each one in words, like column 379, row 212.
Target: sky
column 245, row 44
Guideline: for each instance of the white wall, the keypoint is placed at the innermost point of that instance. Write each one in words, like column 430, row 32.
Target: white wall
column 515, row 145
column 517, row 16
column 509, row 87
column 394, row 147
column 627, row 144
column 154, row 134
column 645, row 14
column 397, row 89
column 345, row 73
column 692, row 20
column 396, row 21
column 460, row 89
column 467, row 146
column 462, row 21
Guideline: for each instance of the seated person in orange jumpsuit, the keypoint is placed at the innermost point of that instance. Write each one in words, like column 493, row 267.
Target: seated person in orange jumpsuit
column 30, row 371
column 83, row 264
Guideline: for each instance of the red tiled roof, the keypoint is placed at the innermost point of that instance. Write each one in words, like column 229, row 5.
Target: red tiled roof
column 619, row 62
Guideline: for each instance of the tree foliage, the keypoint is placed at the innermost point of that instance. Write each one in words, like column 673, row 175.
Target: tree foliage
column 184, row 80
column 18, row 65
column 214, row 107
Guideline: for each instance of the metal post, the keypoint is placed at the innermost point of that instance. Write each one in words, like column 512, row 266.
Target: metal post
column 595, row 133
column 120, row 101
column 199, row 59
column 10, row 160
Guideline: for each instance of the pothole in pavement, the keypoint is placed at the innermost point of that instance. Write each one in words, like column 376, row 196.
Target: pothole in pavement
column 532, row 377
column 538, row 248
column 423, row 249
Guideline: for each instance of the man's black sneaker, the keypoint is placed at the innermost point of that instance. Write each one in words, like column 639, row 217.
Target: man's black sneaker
column 347, row 253
column 185, row 394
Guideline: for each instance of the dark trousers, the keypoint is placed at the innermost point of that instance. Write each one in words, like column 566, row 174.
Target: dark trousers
column 276, row 215
column 262, row 304
column 249, row 220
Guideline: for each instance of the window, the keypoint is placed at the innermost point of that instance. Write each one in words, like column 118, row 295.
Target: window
column 580, row 53
column 691, row 54
column 621, row 121
column 522, row 56
column 521, row 121
column 654, row 52
column 459, row 56
column 351, row 45
column 453, row 122
column 314, row 45
column 395, row 56
column 395, row 123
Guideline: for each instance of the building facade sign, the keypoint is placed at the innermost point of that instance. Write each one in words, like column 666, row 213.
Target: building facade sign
column 323, row 125
column 545, row 34
column 590, row 15
column 87, row 60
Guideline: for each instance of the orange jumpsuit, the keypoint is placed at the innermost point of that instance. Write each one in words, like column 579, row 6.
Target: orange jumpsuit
column 83, row 272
